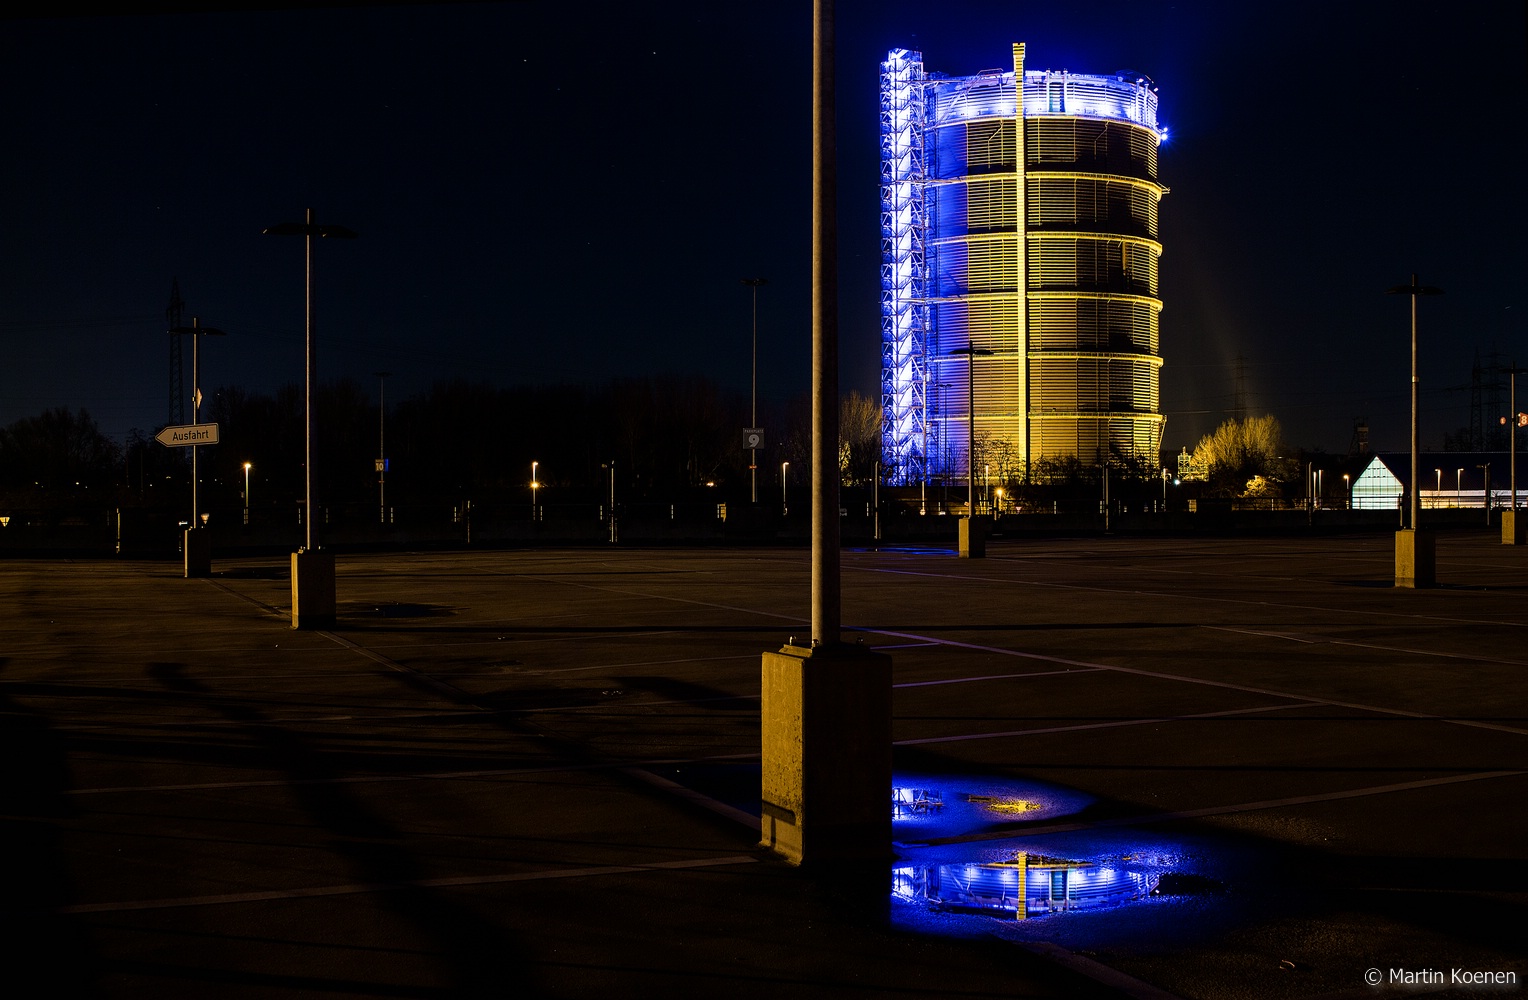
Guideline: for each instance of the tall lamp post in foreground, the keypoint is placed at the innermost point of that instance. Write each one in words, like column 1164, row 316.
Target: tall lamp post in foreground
column 196, row 541
column 1512, row 526
column 973, row 543
column 312, row 569
column 753, row 423
column 1415, row 562
column 825, row 709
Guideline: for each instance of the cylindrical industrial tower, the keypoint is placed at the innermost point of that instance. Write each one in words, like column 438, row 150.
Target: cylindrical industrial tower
column 1048, row 260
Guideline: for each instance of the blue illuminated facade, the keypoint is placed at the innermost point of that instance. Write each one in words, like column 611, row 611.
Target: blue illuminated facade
column 1045, row 263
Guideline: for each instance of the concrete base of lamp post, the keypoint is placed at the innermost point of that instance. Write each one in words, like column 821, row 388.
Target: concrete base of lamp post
column 826, row 715
column 196, row 543
column 973, row 537
column 1513, row 528
column 1415, row 558
column 312, row 588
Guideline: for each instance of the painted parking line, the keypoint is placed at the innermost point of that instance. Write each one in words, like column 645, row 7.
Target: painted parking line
column 1146, row 819
column 1115, row 724
column 433, row 883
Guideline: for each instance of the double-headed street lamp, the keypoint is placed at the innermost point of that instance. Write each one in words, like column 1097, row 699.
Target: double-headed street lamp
column 312, row 576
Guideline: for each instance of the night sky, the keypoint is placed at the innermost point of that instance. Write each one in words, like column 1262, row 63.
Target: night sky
column 557, row 193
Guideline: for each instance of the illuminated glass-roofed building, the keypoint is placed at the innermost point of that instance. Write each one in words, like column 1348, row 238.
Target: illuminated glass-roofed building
column 1044, row 265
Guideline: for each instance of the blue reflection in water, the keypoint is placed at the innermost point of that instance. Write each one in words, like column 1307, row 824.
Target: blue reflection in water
column 1027, row 885
column 975, row 847
column 926, row 807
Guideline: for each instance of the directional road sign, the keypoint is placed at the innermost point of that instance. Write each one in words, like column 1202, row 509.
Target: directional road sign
column 188, row 434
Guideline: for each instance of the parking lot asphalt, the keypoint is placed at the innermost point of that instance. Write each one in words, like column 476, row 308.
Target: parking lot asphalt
column 534, row 772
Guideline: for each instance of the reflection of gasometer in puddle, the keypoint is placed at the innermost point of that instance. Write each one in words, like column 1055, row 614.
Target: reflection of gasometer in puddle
column 1029, row 885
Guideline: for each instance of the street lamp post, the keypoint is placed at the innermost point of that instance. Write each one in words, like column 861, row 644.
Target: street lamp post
column 312, row 571
column 1511, row 526
column 535, row 485
column 753, row 453
column 784, row 504
column 382, row 446
column 247, row 467
column 1485, row 482
column 972, row 544
column 611, row 466
column 198, row 550
column 825, row 709
column 1414, row 553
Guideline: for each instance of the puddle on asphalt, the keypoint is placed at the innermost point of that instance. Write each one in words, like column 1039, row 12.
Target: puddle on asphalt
column 1082, row 888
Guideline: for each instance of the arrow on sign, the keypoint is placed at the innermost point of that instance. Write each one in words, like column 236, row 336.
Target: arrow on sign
column 188, row 434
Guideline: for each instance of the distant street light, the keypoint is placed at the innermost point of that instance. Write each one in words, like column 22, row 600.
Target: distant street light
column 753, row 453
column 1347, row 489
column 1458, row 486
column 247, row 467
column 784, row 509
column 534, row 486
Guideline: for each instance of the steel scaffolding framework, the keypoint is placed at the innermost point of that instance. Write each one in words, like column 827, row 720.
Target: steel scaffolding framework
column 1018, row 218
column 904, row 307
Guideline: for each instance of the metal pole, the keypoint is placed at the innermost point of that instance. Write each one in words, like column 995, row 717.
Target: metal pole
column 309, row 373
column 1485, row 472
column 1416, row 482
column 753, row 453
column 1512, row 439
column 196, row 417
column 971, row 434
column 876, row 500
column 382, row 446
column 1414, row 290
column 825, row 568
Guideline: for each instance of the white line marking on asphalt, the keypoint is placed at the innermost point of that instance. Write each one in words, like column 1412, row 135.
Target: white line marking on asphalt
column 1225, row 810
column 993, row 677
column 1134, row 593
column 433, row 883
column 1319, row 640
column 1226, row 685
column 1118, row 723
